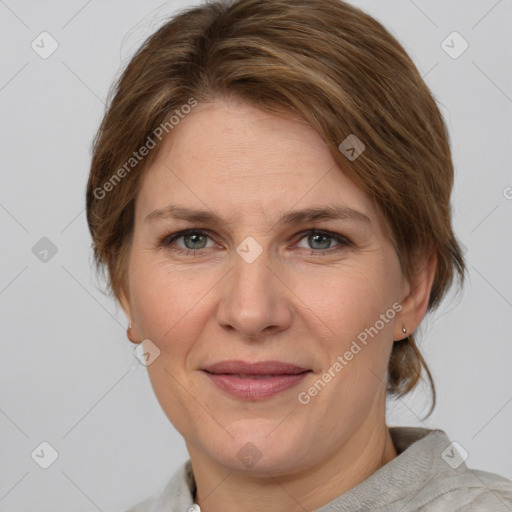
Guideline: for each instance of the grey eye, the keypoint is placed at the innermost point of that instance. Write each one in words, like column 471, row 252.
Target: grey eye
column 319, row 241
column 195, row 241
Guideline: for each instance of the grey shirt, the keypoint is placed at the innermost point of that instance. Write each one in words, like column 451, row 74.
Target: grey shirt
column 428, row 474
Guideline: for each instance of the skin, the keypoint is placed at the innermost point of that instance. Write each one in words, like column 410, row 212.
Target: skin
column 301, row 301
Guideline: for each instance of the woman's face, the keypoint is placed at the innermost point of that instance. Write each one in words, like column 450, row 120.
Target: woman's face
column 257, row 284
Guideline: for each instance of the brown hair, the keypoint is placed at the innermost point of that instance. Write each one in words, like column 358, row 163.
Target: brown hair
column 323, row 60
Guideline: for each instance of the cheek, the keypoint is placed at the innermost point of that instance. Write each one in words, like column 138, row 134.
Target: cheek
column 159, row 289
column 166, row 302
column 353, row 309
column 168, row 310
column 344, row 302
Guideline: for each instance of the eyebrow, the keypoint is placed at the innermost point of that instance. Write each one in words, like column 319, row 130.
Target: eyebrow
column 334, row 212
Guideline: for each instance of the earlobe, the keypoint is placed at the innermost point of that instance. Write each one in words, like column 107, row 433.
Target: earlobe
column 415, row 302
column 131, row 333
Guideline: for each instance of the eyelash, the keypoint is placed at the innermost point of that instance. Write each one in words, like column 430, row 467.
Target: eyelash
column 343, row 242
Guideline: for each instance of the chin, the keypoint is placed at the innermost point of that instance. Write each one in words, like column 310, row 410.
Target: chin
column 267, row 452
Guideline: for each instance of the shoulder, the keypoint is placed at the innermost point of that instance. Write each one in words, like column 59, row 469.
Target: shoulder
column 175, row 497
column 143, row 506
column 472, row 491
column 443, row 481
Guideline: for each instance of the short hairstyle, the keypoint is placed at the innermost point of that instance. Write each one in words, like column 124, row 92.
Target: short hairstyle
column 323, row 61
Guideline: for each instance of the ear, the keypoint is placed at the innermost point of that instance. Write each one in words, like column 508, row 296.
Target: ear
column 131, row 332
column 415, row 296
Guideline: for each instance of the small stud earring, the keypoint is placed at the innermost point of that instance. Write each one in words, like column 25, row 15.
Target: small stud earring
column 404, row 330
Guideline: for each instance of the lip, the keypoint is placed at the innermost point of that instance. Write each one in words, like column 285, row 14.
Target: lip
column 255, row 381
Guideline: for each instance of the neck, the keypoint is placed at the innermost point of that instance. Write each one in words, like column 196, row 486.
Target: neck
column 224, row 490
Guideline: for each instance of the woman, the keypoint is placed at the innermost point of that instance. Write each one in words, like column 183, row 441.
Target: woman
column 269, row 193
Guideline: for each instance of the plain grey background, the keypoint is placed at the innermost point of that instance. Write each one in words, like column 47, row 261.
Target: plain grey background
column 67, row 372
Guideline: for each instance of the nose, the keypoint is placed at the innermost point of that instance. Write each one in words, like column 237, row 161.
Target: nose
column 254, row 300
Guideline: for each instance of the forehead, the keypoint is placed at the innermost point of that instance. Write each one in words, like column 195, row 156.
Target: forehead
column 234, row 158
column 241, row 139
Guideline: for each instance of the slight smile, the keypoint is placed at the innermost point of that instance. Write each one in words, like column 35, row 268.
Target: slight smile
column 255, row 381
